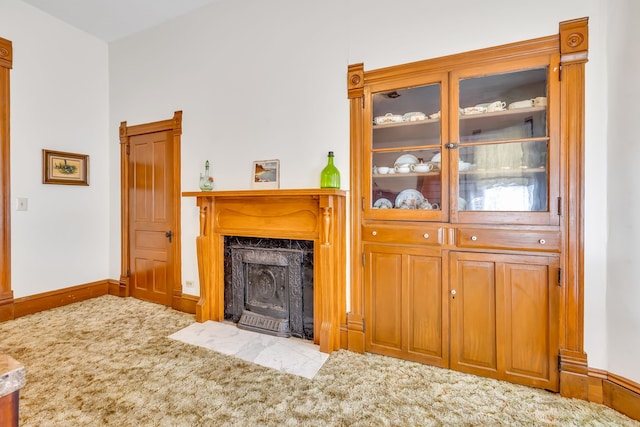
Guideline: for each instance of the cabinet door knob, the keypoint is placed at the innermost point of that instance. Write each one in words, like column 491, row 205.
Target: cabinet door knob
column 474, row 238
column 425, row 235
column 453, row 291
column 542, row 241
column 374, row 233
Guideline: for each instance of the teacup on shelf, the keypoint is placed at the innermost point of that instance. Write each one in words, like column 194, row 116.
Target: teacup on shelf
column 404, row 168
column 421, row 167
column 383, row 170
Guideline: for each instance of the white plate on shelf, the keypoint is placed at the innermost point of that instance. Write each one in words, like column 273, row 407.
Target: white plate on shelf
column 383, row 203
column 409, row 199
column 406, row 159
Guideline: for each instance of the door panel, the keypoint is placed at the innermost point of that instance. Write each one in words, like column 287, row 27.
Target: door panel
column 530, row 339
column 385, row 301
column 404, row 306
column 473, row 313
column 504, row 317
column 151, row 216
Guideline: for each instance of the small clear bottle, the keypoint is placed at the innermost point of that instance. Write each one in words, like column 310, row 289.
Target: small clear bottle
column 330, row 177
column 206, row 180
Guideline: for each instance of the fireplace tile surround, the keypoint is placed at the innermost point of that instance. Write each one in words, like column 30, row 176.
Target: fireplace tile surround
column 316, row 215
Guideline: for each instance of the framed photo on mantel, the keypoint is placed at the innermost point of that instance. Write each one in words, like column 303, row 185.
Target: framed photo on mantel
column 59, row 167
column 265, row 174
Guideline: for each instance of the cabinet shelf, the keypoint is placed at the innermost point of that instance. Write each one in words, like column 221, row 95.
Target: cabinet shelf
column 404, row 175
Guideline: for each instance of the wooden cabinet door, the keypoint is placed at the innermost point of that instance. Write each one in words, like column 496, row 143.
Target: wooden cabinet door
column 504, row 317
column 405, row 309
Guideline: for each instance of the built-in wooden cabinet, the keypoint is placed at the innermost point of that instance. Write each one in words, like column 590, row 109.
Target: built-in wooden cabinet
column 464, row 194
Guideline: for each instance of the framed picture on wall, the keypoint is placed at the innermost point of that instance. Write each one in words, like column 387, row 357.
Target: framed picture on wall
column 59, row 167
column 265, row 174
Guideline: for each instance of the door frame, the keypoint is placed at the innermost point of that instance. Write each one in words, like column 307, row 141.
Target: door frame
column 173, row 125
column 6, row 293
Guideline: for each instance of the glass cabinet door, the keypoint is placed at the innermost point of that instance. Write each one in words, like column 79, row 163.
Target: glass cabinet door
column 404, row 155
column 503, row 154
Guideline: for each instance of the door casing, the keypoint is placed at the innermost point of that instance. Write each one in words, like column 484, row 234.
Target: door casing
column 174, row 126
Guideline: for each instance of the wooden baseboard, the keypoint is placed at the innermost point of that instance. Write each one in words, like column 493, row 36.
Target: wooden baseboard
column 614, row 391
column 60, row 297
column 188, row 303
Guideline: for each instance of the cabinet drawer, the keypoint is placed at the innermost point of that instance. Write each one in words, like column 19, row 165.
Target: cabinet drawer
column 429, row 235
column 547, row 241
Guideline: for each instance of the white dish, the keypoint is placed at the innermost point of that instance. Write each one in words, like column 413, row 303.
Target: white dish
column 413, row 116
column 388, row 118
column 464, row 166
column 406, row 159
column 474, row 110
column 527, row 103
column 383, row 203
column 436, row 158
column 409, row 199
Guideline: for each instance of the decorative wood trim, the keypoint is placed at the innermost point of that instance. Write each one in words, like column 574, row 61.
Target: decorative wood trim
column 355, row 317
column 573, row 47
column 6, row 294
column 303, row 214
column 173, row 125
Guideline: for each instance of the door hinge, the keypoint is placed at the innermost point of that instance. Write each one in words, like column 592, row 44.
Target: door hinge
column 364, row 326
column 127, row 149
column 559, row 362
column 451, row 145
column 364, row 259
column 559, row 276
column 128, row 272
column 559, row 206
column 363, row 203
column 560, row 73
column 362, row 97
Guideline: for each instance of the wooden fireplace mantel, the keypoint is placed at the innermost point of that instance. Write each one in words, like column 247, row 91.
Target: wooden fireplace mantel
column 301, row 214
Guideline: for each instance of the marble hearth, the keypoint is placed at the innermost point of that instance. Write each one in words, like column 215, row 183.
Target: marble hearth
column 316, row 215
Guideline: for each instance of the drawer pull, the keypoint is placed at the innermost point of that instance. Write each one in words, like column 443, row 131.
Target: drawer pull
column 374, row 233
column 425, row 235
column 474, row 238
column 542, row 241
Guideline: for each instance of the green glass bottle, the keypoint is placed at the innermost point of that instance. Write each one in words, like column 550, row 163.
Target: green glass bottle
column 330, row 177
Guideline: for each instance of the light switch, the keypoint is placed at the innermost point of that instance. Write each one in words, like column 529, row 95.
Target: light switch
column 23, row 204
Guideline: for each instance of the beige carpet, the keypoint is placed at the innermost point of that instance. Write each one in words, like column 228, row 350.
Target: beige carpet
column 109, row 362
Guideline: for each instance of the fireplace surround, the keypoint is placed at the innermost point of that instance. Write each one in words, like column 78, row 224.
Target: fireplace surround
column 316, row 215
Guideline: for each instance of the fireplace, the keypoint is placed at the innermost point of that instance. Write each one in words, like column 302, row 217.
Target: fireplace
column 268, row 285
column 314, row 215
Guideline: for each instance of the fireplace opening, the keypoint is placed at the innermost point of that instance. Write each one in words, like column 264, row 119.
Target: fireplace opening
column 269, row 285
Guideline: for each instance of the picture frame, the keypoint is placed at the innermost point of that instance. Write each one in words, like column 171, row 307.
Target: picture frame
column 265, row 174
column 59, row 167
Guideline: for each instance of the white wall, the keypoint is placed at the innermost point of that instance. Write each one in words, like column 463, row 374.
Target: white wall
column 623, row 195
column 59, row 101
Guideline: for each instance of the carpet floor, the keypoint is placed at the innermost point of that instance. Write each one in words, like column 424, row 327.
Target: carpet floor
column 108, row 361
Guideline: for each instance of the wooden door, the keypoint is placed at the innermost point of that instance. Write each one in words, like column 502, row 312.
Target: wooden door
column 504, row 317
column 151, row 199
column 404, row 304
column 151, row 217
